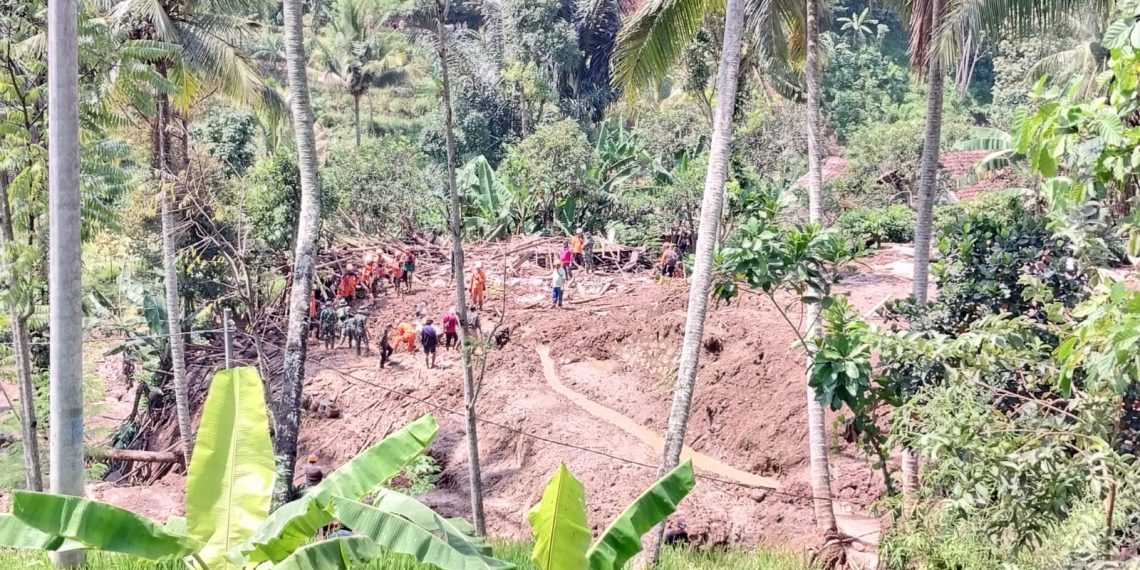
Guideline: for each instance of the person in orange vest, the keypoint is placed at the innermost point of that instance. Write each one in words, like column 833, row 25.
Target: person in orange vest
column 478, row 285
column 346, row 289
column 313, row 313
column 396, row 272
column 576, row 244
column 406, row 335
column 669, row 260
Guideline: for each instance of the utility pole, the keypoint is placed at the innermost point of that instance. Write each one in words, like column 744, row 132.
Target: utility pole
column 65, row 312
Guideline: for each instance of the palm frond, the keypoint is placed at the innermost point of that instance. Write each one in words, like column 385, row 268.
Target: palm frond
column 153, row 12
column 653, row 37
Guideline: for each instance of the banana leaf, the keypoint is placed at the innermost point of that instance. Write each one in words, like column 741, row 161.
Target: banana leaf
column 458, row 533
column 15, row 534
column 559, row 524
column 100, row 526
column 232, row 469
column 622, row 540
column 333, row 554
column 397, row 534
column 289, row 527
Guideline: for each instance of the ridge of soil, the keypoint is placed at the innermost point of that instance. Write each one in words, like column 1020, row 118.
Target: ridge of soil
column 615, row 343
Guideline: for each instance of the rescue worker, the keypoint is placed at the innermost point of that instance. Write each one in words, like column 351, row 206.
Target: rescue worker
column 406, row 335
column 385, row 346
column 577, row 245
column 328, row 325
column 450, row 324
column 408, row 266
column 668, row 261
column 396, row 273
column 557, row 280
column 314, row 474
column 588, row 252
column 429, row 340
column 567, row 260
column 356, row 331
column 313, row 324
column 346, row 288
column 478, row 285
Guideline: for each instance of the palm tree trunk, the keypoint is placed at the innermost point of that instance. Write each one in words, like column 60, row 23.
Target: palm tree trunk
column 356, row 117
column 711, row 205
column 927, row 184
column 817, row 422
column 469, row 392
column 170, row 279
column 287, row 415
column 65, row 312
column 21, row 342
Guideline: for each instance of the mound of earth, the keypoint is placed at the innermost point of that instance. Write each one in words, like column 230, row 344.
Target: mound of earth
column 603, row 397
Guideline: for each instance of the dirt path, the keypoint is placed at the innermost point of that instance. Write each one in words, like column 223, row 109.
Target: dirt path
column 863, row 527
column 649, row 437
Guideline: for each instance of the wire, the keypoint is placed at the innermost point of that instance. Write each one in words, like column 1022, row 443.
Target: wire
column 125, row 338
column 549, row 440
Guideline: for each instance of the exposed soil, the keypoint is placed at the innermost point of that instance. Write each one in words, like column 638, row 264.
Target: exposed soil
column 614, row 347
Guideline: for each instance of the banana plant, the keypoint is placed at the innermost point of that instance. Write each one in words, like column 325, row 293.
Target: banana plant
column 228, row 488
column 562, row 537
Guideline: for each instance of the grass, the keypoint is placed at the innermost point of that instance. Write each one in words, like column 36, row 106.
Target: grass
column 517, row 553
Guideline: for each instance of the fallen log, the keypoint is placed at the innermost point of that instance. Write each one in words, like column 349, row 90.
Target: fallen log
column 97, row 454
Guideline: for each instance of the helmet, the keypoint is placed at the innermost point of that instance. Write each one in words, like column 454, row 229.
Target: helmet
column 478, row 265
column 579, row 232
column 369, row 258
column 351, row 267
column 452, row 308
column 312, row 459
column 557, row 263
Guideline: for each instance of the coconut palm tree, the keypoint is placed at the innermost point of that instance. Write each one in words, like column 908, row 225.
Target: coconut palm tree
column 816, row 420
column 936, row 32
column 711, row 207
column 287, row 416
column 210, row 36
column 358, row 56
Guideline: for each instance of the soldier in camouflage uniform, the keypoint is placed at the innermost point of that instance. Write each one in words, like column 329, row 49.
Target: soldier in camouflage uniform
column 328, row 330
column 356, row 332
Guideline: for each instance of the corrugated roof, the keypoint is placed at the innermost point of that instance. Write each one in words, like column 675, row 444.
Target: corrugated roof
column 832, row 168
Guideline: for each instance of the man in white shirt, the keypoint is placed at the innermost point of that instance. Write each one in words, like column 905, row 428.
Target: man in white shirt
column 557, row 278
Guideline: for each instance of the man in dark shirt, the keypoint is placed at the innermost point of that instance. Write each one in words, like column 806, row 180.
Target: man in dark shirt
column 429, row 340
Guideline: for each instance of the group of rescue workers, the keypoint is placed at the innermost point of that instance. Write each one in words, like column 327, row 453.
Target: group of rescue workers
column 338, row 319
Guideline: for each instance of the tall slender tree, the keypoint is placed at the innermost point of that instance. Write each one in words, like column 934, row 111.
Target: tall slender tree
column 287, row 415
column 712, row 204
column 65, row 310
column 816, row 421
column 456, row 225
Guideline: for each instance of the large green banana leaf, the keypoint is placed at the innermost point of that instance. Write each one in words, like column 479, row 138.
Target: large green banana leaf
column 231, row 472
column 15, row 534
column 558, row 521
column 333, row 554
column 458, row 534
column 397, row 534
column 622, row 540
column 290, row 526
column 100, row 526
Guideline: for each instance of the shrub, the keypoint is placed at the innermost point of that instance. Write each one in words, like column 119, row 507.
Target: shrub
column 891, row 224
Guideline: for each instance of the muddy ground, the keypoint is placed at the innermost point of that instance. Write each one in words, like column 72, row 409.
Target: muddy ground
column 613, row 353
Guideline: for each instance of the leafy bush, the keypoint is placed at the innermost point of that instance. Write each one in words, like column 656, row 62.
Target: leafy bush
column 551, row 166
column 229, row 136
column 892, row 224
column 860, row 85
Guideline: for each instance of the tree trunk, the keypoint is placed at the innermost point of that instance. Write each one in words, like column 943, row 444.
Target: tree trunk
column 469, row 391
column 170, row 279
column 65, row 312
column 21, row 343
column 927, row 185
column 287, row 415
column 817, row 422
column 356, row 117
column 711, row 206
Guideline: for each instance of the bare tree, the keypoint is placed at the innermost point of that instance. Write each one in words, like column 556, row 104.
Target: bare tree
column 466, row 341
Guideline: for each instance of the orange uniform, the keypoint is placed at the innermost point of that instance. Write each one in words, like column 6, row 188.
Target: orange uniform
column 576, row 244
column 478, row 286
column 313, row 305
column 406, row 334
column 347, row 286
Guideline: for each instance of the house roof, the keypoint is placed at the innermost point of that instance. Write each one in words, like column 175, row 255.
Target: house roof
column 832, row 168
